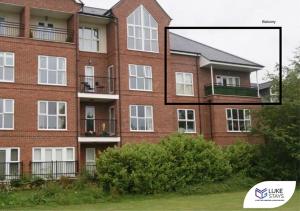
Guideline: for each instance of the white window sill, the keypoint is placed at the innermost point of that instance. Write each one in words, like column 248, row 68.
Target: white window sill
column 155, row 52
column 59, row 85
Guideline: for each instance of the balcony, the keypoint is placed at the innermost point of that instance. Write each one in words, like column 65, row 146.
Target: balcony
column 231, row 90
column 101, row 88
column 51, row 34
column 11, row 29
column 98, row 131
column 11, row 170
column 54, row 169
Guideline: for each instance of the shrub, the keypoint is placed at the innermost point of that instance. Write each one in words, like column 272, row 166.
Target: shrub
column 176, row 162
column 240, row 156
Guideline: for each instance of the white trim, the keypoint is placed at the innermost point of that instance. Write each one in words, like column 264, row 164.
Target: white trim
column 86, row 118
column 152, row 118
column 227, row 78
column 238, row 120
column 184, row 84
column 57, row 115
column 183, row 53
column 236, row 65
column 11, row 66
column 99, row 139
column 110, row 70
column 91, row 39
column 186, row 120
column 98, row 96
column 43, row 149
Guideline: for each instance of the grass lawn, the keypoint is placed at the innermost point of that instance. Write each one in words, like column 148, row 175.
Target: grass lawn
column 216, row 202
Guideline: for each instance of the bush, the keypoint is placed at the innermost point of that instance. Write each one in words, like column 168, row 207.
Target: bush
column 240, row 156
column 176, row 162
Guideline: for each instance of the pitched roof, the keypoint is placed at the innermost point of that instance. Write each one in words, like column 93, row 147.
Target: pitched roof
column 93, row 11
column 183, row 44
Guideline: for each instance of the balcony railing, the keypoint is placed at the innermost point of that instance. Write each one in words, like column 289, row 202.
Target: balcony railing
column 231, row 90
column 54, row 169
column 97, row 85
column 90, row 168
column 98, row 128
column 51, row 34
column 11, row 29
column 11, row 170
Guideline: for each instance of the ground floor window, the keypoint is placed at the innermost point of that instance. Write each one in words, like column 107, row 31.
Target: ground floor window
column 238, row 120
column 9, row 163
column 52, row 163
column 186, row 121
column 90, row 160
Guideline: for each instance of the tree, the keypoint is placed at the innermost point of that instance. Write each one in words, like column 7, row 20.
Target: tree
column 280, row 125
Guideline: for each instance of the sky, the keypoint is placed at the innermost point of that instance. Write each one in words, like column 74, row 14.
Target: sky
column 260, row 46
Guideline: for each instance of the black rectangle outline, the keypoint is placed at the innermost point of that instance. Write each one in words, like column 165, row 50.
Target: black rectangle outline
column 192, row 27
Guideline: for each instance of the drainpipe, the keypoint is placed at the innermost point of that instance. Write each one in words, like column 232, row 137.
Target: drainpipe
column 211, row 120
column 212, row 80
column 199, row 107
column 258, row 88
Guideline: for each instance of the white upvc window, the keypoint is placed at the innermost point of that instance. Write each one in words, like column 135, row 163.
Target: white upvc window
column 140, row 77
column 6, row 114
column 89, row 39
column 184, row 84
column 141, row 118
column 7, row 67
column 238, row 120
column 9, row 163
column 228, row 81
column 142, row 31
column 186, row 121
column 53, row 162
column 52, row 115
column 52, row 70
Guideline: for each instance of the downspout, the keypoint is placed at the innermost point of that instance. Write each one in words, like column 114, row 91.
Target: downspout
column 211, row 119
column 119, row 77
column 198, row 90
column 77, row 87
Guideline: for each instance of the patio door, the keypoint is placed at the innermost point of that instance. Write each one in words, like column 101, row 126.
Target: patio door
column 112, row 121
column 89, row 79
column 111, row 79
column 90, row 119
column 2, row 27
column 45, row 31
column 90, row 160
column 2, row 164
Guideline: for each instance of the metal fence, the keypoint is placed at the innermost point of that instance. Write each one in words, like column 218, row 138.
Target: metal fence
column 11, row 170
column 51, row 34
column 97, row 85
column 11, row 29
column 98, row 128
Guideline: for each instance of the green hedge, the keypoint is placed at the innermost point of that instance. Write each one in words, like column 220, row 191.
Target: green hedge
column 176, row 162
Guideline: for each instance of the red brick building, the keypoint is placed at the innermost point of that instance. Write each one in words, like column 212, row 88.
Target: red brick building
column 75, row 80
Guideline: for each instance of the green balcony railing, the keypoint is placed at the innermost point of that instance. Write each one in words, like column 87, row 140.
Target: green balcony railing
column 231, row 90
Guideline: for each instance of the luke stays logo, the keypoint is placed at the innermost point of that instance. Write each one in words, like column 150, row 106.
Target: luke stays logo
column 270, row 194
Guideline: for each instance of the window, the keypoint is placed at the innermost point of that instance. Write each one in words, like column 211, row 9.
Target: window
column 184, row 84
column 140, row 77
column 186, row 121
column 228, row 81
column 52, row 115
column 53, row 162
column 89, row 39
column 45, row 31
column 238, row 120
column 142, row 31
column 141, row 118
column 7, row 64
column 52, row 70
column 6, row 114
column 9, row 163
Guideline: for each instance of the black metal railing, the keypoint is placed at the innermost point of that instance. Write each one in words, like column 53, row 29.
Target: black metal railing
column 90, row 168
column 11, row 170
column 220, row 89
column 51, row 34
column 97, row 85
column 11, row 29
column 98, row 128
column 54, row 169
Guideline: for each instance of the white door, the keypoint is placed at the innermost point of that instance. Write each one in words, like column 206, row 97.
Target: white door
column 112, row 121
column 89, row 79
column 90, row 160
column 111, row 80
column 90, row 118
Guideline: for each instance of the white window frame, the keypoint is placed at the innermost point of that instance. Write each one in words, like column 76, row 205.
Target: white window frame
column 238, row 120
column 4, row 112
column 184, row 84
column 186, row 120
column 144, row 78
column 57, row 70
column 145, row 118
column 43, row 154
column 91, row 39
column 222, row 77
column 6, row 65
column 57, row 115
column 143, row 27
column 8, row 160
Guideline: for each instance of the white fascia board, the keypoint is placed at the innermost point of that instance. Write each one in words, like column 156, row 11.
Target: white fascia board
column 236, row 65
column 183, row 53
column 98, row 96
column 99, row 139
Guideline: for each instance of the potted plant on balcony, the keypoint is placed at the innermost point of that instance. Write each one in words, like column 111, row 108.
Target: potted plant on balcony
column 104, row 133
